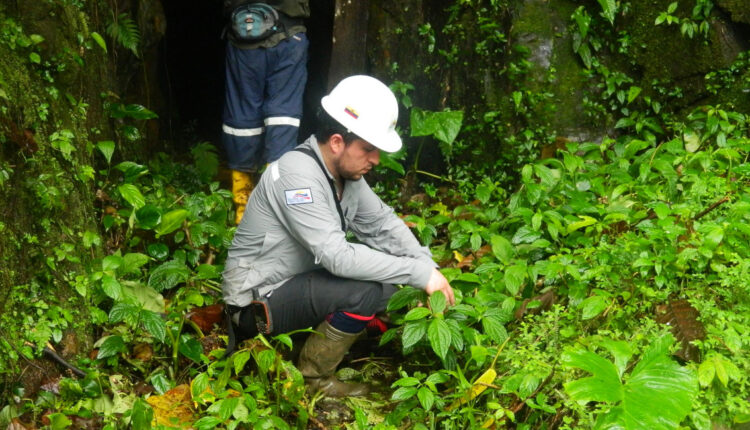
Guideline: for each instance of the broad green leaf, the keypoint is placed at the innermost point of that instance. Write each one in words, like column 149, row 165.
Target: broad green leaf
column 514, row 277
column 148, row 217
column 111, row 262
column 404, row 393
column 111, row 287
column 111, row 345
column 141, row 415
column 171, row 221
column 706, row 372
column 417, row 314
column 585, row 222
column 609, row 9
column 154, row 324
column 240, row 359
column 265, row 359
column 621, row 351
column 404, row 297
column 161, row 383
column 132, row 195
column 168, row 275
column 633, row 93
column 604, row 384
column 207, row 271
column 426, row 398
column 107, row 148
column 124, row 312
column 440, row 337
column 132, row 262
column 387, row 161
column 502, row 248
column 190, row 348
column 413, row 333
column 494, row 328
column 443, row 125
column 437, row 302
column 593, row 306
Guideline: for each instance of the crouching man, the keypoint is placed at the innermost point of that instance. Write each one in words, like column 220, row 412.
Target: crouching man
column 290, row 265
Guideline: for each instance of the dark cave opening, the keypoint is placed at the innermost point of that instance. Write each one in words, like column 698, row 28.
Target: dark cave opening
column 192, row 69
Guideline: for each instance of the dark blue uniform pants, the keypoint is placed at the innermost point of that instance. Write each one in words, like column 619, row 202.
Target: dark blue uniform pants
column 263, row 101
column 305, row 301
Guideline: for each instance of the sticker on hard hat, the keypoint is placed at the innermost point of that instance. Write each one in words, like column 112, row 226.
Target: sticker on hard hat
column 299, row 196
column 351, row 112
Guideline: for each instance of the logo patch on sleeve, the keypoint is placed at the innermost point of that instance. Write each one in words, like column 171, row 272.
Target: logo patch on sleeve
column 299, row 196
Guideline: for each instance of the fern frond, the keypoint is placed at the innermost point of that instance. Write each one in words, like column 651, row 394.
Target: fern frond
column 125, row 31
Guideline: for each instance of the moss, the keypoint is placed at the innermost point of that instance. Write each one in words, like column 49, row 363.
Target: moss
column 739, row 10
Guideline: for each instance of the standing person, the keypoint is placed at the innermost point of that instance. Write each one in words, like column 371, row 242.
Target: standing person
column 266, row 72
column 294, row 261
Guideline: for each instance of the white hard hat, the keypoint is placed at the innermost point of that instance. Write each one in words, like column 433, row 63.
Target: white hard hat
column 366, row 107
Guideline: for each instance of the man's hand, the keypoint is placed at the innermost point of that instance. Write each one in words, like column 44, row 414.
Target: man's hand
column 438, row 282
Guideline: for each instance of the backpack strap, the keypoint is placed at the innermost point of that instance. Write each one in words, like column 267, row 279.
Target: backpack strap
column 311, row 153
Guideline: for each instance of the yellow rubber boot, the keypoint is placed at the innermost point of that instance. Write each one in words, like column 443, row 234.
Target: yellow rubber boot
column 242, row 186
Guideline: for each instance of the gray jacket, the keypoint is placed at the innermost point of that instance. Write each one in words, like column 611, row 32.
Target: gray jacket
column 291, row 226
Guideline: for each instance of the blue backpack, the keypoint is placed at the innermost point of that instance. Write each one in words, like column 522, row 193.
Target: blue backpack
column 252, row 22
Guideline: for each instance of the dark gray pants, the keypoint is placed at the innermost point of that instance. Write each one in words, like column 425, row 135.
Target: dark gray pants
column 305, row 300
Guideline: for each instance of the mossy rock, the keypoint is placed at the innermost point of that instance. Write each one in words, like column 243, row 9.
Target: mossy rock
column 739, row 10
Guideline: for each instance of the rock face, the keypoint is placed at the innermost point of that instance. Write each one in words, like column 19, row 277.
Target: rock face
column 55, row 81
column 519, row 67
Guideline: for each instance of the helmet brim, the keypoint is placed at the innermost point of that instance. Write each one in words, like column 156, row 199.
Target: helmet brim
column 388, row 142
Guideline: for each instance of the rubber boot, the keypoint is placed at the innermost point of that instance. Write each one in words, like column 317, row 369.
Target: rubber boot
column 320, row 355
column 242, row 186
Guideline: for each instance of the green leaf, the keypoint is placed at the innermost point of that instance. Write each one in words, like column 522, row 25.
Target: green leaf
column 404, row 297
column 207, row 271
column 426, row 398
column 413, row 333
column 148, row 217
column 161, row 383
column 593, row 306
column 417, row 314
column 57, row 421
column 102, row 44
column 604, row 384
column 387, row 161
column 111, row 287
column 706, row 373
column 437, row 302
column 154, row 324
column 111, row 345
column 443, row 125
column 658, row 393
column 633, row 93
column 132, row 195
column 190, row 348
column 495, row 329
column 404, row 393
column 124, row 312
column 439, row 335
column 111, row 262
column 35, row 58
column 514, row 277
column 502, row 248
column 141, row 416
column 168, row 275
column 609, row 9
column 240, row 359
column 171, row 221
column 107, row 148
column 585, row 222
column 132, row 262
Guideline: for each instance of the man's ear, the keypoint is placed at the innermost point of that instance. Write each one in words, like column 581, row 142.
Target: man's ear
column 336, row 143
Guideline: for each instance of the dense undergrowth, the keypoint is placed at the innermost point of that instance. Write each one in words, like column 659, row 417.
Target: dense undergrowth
column 607, row 286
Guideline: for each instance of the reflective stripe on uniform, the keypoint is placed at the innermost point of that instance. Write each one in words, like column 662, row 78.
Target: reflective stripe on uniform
column 242, row 131
column 282, row 120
